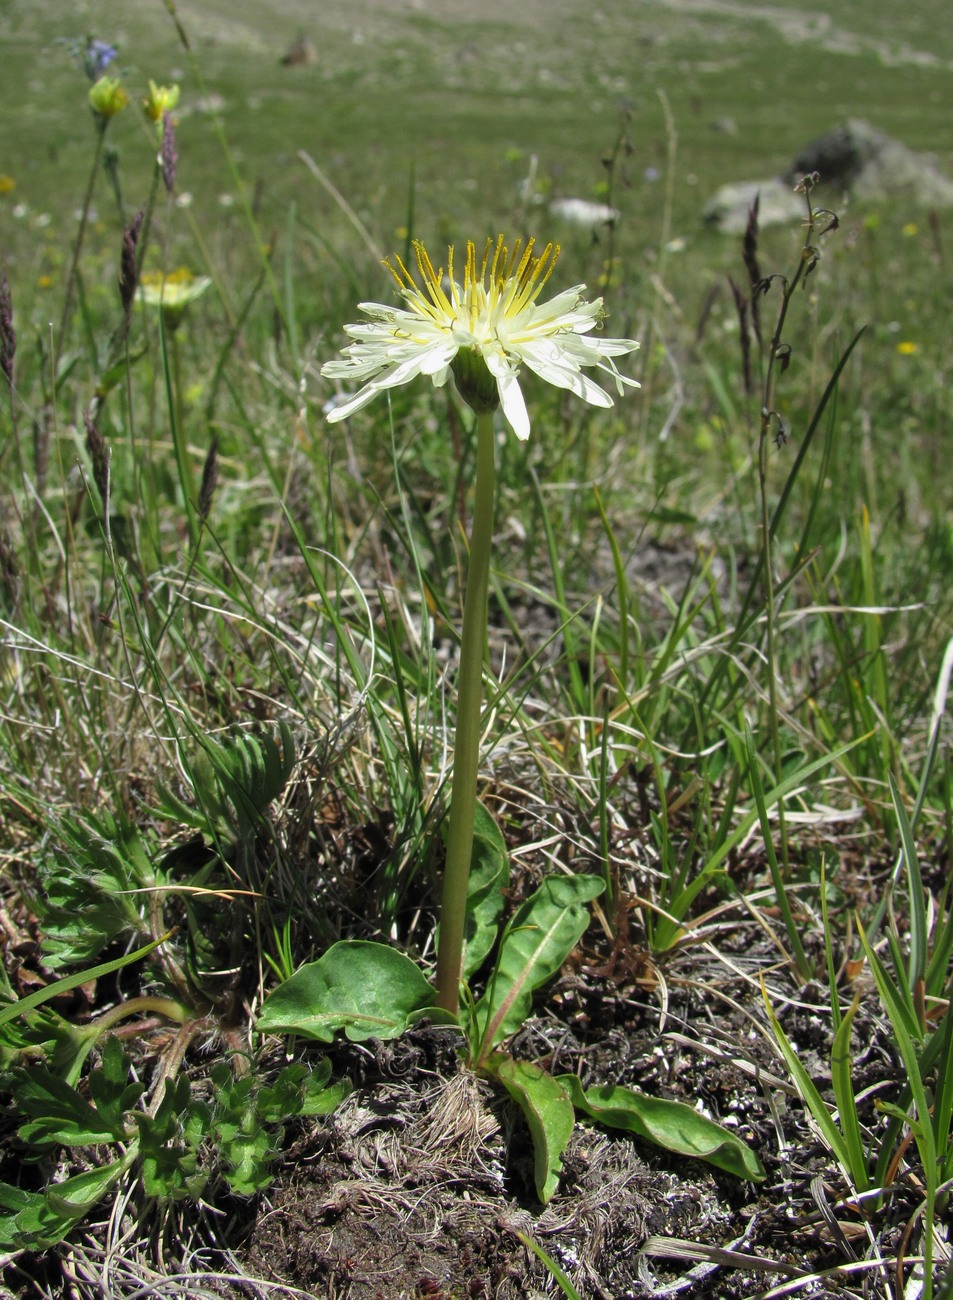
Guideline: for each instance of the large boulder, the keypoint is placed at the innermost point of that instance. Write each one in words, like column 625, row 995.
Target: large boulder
column 854, row 159
column 859, row 159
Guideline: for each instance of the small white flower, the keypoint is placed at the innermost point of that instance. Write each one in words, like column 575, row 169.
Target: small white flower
column 482, row 330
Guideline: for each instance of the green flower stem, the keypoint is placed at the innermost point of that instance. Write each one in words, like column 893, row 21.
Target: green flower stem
column 146, row 227
column 467, row 742
column 59, row 342
column 767, row 410
column 169, row 347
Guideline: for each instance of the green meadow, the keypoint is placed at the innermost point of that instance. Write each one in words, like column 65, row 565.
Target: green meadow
column 715, row 677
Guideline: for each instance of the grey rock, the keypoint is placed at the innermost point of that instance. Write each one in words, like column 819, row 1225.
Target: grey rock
column 727, row 210
column 854, row 159
column 867, row 163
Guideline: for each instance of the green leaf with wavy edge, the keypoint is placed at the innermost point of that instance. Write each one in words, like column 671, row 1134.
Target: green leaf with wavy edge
column 673, row 1125
column 549, row 1114
column 537, row 941
column 363, row 989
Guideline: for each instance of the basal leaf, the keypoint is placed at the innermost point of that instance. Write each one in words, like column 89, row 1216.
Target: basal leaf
column 538, row 940
column 77, row 1195
column 549, row 1114
column 670, row 1124
column 366, row 990
column 489, row 876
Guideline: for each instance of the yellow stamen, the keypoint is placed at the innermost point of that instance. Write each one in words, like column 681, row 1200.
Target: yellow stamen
column 402, row 277
column 508, row 277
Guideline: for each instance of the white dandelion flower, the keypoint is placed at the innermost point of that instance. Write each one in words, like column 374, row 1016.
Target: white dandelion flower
column 482, row 331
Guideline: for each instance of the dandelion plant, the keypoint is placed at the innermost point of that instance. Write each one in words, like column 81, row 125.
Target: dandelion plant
column 482, row 331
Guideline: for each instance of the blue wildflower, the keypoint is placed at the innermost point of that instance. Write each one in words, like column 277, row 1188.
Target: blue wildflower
column 99, row 55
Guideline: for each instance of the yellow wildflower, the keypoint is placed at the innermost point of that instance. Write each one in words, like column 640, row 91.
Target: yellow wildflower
column 160, row 99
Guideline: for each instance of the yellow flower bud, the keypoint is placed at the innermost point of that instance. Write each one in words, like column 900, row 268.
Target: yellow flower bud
column 107, row 97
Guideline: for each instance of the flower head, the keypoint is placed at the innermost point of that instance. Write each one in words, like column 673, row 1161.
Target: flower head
column 107, row 98
column 172, row 293
column 97, row 57
column 160, row 100
column 482, row 331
